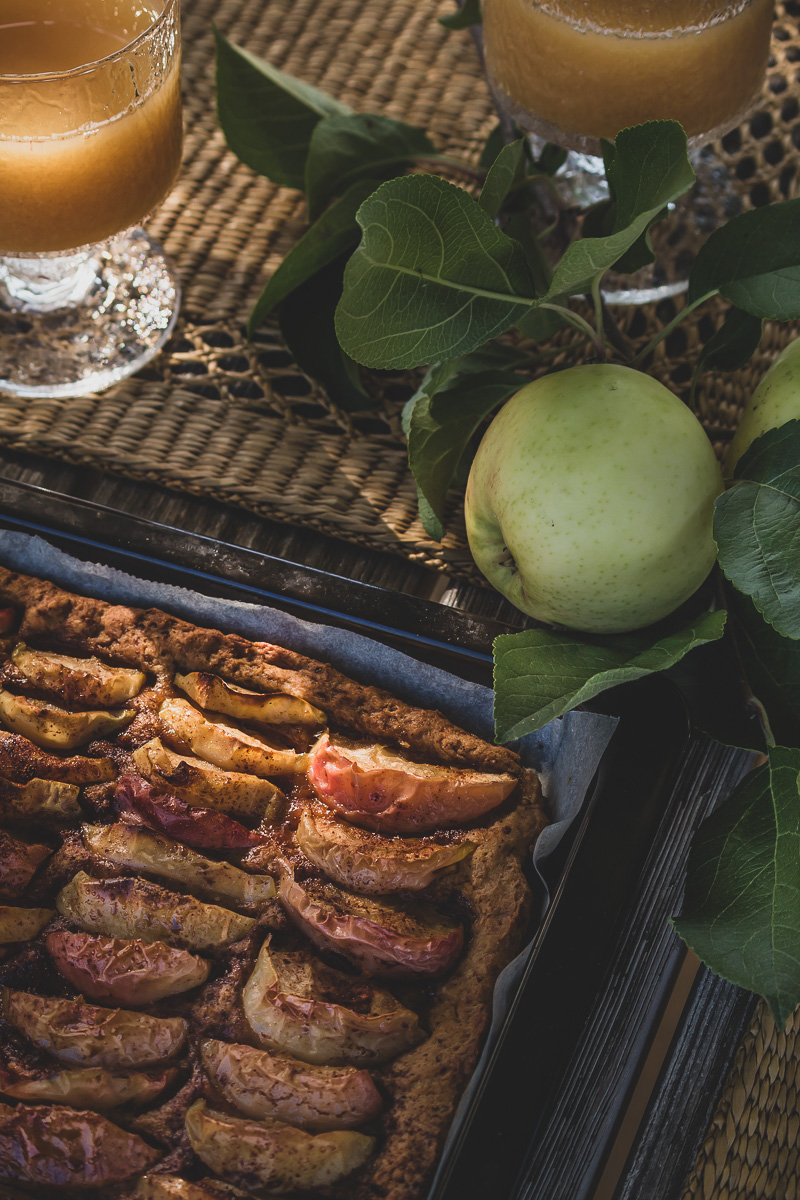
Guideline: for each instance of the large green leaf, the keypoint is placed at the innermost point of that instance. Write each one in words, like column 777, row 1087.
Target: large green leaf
column 442, row 427
column 540, row 673
column 733, row 344
column 329, row 238
column 345, row 149
column 433, row 277
column 741, row 910
column 306, row 320
column 754, row 261
column 506, row 170
column 267, row 116
column 648, row 169
column 757, row 527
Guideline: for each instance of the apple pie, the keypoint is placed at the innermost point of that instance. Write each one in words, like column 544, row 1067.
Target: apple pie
column 251, row 912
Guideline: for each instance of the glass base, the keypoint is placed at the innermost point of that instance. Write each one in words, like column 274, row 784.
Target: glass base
column 73, row 324
column 676, row 238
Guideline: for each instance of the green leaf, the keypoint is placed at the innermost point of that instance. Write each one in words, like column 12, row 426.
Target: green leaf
column 741, row 910
column 493, row 145
column 541, row 323
column 540, row 674
column 433, row 277
column 468, row 14
column 754, row 261
column 333, row 235
column 306, row 320
column 771, row 664
column 714, row 694
column 648, row 170
column 267, row 116
column 345, row 149
column 441, row 428
column 757, row 527
column 733, row 344
column 506, row 170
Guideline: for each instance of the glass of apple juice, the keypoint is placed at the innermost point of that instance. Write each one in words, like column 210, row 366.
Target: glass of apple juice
column 572, row 72
column 90, row 143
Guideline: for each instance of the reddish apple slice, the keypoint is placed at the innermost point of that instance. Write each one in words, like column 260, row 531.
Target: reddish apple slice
column 201, row 828
column 88, row 1087
column 373, row 865
column 8, row 619
column 224, row 744
column 125, row 971
column 383, row 937
column 78, row 681
column 19, row 862
column 271, row 1154
column 47, row 1145
column 317, row 1098
column 297, row 1005
column 93, row 1037
column 378, row 788
column 257, row 708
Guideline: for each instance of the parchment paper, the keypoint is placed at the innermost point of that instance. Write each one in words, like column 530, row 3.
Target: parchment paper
column 566, row 753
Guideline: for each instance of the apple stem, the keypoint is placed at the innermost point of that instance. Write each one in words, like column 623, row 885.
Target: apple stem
column 668, row 328
column 574, row 319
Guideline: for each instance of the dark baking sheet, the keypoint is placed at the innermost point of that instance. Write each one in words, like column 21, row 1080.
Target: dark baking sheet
column 595, row 876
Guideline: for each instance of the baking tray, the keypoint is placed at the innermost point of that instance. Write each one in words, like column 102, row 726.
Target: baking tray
column 592, row 876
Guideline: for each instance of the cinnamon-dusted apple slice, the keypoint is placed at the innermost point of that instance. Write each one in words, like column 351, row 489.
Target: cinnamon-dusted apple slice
column 40, row 800
column 134, row 908
column 144, row 803
column 55, row 728
column 78, row 680
column 261, row 1084
column 298, row 1005
column 172, row 1187
column 88, row 1087
column 383, row 937
column 22, row 924
column 201, row 783
column 19, row 862
column 380, row 789
column 21, row 761
column 139, row 849
column 257, row 708
column 271, row 1154
column 371, row 864
column 224, row 744
column 44, row 1145
column 93, row 1037
column 124, row 971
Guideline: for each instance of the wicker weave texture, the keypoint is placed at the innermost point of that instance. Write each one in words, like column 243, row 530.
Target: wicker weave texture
column 217, row 416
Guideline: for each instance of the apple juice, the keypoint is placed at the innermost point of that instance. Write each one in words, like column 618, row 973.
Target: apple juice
column 90, row 133
column 574, row 71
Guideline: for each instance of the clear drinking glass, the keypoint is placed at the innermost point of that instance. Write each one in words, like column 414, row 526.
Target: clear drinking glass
column 574, row 71
column 90, row 143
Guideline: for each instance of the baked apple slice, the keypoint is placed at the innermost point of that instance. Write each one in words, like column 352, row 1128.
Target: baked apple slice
column 271, row 1154
column 383, row 937
column 22, row 924
column 54, row 728
column 88, row 1087
column 40, row 800
column 19, row 862
column 224, row 744
column 144, row 803
column 134, row 908
column 124, row 971
column 316, row 1098
column 47, row 1145
column 371, row 864
column 378, row 788
column 172, row 1187
column 201, row 783
column 93, row 1037
column 138, row 849
column 78, row 680
column 298, row 1005
column 257, row 708
column 21, row 761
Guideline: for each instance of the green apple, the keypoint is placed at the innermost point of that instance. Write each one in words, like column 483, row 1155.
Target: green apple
column 590, row 500
column 775, row 401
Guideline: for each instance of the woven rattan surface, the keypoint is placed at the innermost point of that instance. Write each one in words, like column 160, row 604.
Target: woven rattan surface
column 239, row 422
